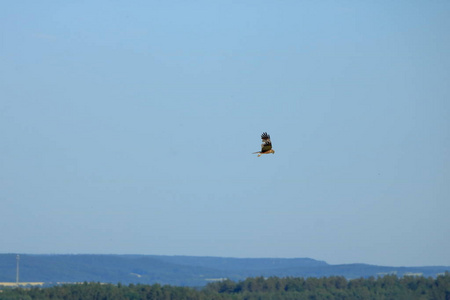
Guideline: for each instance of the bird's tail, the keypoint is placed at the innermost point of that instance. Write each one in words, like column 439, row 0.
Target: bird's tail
column 256, row 152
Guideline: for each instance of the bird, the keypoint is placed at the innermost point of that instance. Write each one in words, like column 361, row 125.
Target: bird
column 266, row 146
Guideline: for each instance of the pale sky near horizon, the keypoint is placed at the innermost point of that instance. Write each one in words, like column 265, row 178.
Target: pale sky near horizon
column 128, row 127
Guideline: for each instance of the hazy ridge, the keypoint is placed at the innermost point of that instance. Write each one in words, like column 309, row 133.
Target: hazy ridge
column 182, row 270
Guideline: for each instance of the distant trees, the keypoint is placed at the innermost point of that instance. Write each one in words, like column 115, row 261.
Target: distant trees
column 337, row 287
column 272, row 288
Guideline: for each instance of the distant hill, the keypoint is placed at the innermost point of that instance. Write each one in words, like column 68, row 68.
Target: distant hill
column 182, row 270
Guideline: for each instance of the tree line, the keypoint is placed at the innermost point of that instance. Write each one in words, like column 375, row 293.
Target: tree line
column 257, row 288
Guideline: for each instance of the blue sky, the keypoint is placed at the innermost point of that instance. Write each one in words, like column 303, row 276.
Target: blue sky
column 129, row 127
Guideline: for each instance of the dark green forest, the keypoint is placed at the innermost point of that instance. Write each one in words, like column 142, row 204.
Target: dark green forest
column 256, row 288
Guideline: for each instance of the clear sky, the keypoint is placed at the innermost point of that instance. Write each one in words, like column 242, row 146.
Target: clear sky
column 128, row 127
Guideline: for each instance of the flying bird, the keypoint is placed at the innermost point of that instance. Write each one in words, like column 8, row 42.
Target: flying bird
column 266, row 146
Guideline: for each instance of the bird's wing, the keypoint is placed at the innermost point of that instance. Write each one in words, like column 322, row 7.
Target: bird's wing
column 267, row 144
column 265, row 137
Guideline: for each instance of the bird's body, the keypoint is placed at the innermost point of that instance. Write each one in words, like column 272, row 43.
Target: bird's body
column 266, row 146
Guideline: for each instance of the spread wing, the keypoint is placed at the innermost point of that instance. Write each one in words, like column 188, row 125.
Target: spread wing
column 267, row 144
